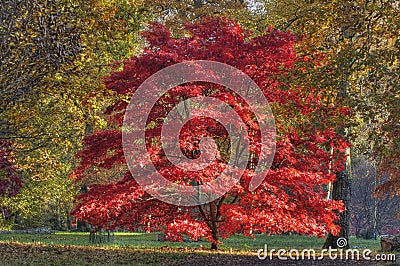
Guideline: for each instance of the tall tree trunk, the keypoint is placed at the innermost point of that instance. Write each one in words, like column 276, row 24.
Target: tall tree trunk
column 341, row 191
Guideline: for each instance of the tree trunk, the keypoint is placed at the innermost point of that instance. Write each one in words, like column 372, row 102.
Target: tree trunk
column 214, row 210
column 215, row 235
column 82, row 226
column 213, row 220
column 341, row 191
column 68, row 221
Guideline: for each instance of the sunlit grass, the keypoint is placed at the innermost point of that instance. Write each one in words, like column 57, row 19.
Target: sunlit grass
column 148, row 240
column 73, row 248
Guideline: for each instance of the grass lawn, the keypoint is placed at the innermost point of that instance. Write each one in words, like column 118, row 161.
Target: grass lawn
column 148, row 240
column 64, row 248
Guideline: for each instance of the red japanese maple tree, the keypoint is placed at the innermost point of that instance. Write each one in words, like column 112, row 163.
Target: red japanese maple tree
column 308, row 151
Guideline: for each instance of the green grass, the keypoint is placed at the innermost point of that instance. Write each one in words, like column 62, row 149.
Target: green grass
column 148, row 240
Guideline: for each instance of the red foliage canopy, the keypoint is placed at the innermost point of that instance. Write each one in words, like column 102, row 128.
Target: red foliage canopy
column 308, row 151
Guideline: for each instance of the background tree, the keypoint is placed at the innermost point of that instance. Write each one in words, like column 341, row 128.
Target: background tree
column 371, row 216
column 360, row 42
column 54, row 54
column 38, row 41
column 175, row 15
